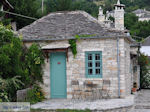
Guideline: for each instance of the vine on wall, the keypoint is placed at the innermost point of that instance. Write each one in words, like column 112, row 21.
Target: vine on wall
column 73, row 44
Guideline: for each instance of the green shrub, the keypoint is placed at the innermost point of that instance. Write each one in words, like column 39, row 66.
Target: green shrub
column 8, row 87
column 35, row 95
column 3, row 96
column 32, row 64
column 144, row 71
column 20, row 67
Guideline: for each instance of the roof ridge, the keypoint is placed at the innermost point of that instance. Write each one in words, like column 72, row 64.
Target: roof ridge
column 66, row 24
column 85, row 14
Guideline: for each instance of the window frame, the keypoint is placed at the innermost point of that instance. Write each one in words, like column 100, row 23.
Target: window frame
column 93, row 75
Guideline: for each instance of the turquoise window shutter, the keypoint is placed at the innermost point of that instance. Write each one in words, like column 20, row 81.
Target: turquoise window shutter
column 93, row 64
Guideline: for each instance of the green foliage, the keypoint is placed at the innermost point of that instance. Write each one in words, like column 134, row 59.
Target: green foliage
column 111, row 18
column 32, row 8
column 33, row 61
column 9, row 82
column 62, row 5
column 8, row 87
column 35, row 95
column 20, row 67
column 144, row 71
column 108, row 5
column 87, row 6
column 27, row 8
column 141, row 29
column 10, row 52
column 3, row 96
column 6, row 21
column 73, row 46
column 131, row 5
column 130, row 20
column 137, row 28
column 71, row 5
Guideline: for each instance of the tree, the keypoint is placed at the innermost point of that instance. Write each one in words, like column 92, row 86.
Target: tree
column 89, row 7
column 141, row 29
column 25, row 7
column 10, row 63
column 20, row 67
column 32, row 65
column 137, row 28
column 108, row 6
column 71, row 5
column 144, row 71
column 130, row 5
column 130, row 20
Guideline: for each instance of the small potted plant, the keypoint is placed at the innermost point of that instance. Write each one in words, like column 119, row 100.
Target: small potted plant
column 134, row 89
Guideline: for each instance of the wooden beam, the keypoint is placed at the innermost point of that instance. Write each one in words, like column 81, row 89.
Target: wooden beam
column 48, row 51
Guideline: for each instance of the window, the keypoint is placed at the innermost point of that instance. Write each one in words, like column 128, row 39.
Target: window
column 93, row 64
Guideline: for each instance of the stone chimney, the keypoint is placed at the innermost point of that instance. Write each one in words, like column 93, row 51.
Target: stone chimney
column 119, row 16
column 101, row 16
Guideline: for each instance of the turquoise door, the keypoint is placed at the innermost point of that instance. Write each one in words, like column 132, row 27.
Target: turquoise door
column 58, row 74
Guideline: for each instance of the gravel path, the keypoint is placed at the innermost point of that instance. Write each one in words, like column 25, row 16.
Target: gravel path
column 81, row 105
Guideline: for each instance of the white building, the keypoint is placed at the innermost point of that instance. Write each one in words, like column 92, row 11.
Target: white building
column 146, row 46
column 143, row 14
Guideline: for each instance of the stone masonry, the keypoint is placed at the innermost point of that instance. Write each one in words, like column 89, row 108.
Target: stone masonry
column 76, row 66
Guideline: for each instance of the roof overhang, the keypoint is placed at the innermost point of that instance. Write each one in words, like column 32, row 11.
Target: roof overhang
column 47, row 49
column 56, row 46
column 93, row 37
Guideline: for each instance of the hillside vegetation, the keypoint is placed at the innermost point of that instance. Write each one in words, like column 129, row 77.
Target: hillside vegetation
column 130, row 4
column 33, row 8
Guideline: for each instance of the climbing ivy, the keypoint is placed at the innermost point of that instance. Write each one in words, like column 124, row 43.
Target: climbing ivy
column 73, row 44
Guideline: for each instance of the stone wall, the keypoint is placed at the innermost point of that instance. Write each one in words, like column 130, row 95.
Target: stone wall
column 76, row 66
column 127, row 68
column 22, row 95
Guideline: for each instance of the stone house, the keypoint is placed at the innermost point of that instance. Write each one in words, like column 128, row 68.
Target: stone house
column 143, row 14
column 102, row 53
column 145, row 47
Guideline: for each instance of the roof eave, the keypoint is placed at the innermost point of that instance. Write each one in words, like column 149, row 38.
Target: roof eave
column 94, row 37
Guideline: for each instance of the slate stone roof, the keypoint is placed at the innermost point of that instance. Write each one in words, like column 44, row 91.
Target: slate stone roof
column 145, row 13
column 145, row 16
column 146, row 42
column 135, row 44
column 140, row 11
column 65, row 25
